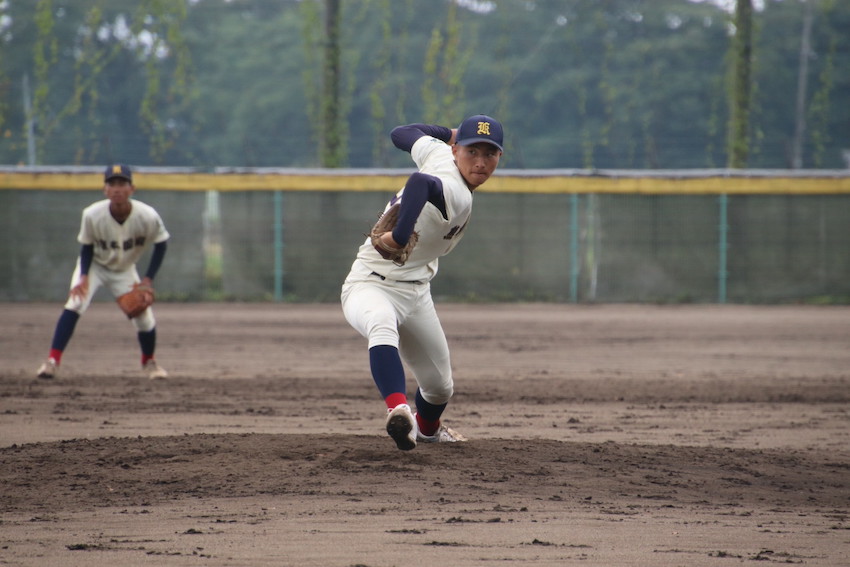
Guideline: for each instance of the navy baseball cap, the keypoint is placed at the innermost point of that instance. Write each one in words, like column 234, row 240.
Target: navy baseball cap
column 480, row 128
column 118, row 170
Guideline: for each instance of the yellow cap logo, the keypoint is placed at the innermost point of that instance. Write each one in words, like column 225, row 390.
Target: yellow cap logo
column 116, row 169
column 484, row 128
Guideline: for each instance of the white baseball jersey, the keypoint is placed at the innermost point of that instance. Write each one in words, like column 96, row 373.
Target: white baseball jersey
column 117, row 246
column 437, row 236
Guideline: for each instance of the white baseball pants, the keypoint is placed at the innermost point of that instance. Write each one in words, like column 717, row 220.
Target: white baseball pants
column 118, row 283
column 402, row 315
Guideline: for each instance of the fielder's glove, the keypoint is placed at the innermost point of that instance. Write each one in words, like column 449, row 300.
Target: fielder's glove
column 386, row 223
column 134, row 302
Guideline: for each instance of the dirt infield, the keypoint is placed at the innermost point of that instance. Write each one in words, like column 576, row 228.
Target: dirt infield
column 598, row 435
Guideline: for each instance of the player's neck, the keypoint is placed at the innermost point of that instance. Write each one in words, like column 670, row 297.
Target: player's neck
column 120, row 211
column 469, row 186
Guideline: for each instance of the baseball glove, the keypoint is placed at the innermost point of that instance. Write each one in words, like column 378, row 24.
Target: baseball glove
column 386, row 223
column 134, row 302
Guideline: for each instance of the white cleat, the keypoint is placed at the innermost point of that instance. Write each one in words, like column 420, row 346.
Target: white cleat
column 443, row 435
column 48, row 369
column 401, row 426
column 154, row 370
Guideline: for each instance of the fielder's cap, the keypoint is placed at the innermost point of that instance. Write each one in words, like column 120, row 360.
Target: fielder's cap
column 480, row 128
column 118, row 170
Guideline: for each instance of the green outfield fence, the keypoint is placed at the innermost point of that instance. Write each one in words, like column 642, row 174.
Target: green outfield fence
column 264, row 234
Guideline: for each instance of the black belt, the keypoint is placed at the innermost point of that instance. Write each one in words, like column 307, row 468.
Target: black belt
column 399, row 281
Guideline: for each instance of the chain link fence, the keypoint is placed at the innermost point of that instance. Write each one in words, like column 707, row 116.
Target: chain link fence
column 536, row 236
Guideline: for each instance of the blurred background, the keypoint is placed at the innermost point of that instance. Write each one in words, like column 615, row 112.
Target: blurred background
column 619, row 89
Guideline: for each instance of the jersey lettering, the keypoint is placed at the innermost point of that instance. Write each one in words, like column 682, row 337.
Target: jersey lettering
column 455, row 231
column 128, row 244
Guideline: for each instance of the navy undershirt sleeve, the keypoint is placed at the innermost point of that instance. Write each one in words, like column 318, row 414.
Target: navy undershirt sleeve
column 420, row 188
column 156, row 259
column 404, row 137
column 86, row 256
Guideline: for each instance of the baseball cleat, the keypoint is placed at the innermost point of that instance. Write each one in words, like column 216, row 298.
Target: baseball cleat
column 48, row 369
column 401, row 426
column 443, row 435
column 154, row 370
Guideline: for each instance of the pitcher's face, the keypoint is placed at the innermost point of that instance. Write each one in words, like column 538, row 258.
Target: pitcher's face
column 476, row 162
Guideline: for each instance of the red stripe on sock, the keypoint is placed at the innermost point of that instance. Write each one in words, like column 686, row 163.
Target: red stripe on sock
column 428, row 428
column 394, row 400
column 55, row 354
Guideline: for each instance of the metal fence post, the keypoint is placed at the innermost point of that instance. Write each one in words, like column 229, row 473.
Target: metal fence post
column 723, row 231
column 278, row 246
column 574, row 232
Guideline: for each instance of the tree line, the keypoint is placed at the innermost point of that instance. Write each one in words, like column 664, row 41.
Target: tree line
column 626, row 84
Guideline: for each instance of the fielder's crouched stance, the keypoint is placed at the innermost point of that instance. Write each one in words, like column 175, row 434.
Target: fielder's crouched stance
column 114, row 233
column 386, row 296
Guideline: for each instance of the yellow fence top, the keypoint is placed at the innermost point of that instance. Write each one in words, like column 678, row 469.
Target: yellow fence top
column 552, row 181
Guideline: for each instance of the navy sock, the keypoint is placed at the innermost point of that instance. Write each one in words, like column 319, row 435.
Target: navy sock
column 428, row 411
column 387, row 370
column 64, row 329
column 147, row 340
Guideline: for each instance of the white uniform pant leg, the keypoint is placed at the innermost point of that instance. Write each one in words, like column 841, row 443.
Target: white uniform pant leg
column 79, row 305
column 425, row 350
column 118, row 283
column 372, row 309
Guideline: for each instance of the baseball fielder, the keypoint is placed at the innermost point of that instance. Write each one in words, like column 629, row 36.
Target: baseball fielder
column 114, row 233
column 386, row 296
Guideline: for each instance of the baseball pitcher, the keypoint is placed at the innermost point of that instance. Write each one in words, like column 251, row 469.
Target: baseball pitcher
column 386, row 296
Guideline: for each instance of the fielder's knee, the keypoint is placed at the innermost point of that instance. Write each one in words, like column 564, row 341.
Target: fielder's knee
column 144, row 322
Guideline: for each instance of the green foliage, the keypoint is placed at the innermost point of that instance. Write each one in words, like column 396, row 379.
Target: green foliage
column 577, row 83
column 444, row 69
column 44, row 57
column 378, row 91
column 163, row 20
column 331, row 144
column 311, row 30
column 81, row 50
column 819, row 109
column 740, row 86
